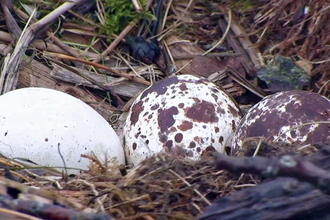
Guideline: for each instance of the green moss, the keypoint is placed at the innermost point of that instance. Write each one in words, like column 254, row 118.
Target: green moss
column 283, row 74
column 119, row 13
column 243, row 4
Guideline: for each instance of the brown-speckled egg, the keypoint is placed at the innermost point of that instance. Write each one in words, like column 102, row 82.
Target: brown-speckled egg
column 183, row 115
column 291, row 116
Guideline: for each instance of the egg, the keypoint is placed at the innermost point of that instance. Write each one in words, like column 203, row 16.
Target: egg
column 181, row 115
column 295, row 117
column 37, row 123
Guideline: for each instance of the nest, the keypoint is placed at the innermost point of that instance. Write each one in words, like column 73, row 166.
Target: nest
column 161, row 187
column 243, row 36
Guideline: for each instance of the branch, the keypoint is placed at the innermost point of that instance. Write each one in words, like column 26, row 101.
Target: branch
column 287, row 165
column 9, row 72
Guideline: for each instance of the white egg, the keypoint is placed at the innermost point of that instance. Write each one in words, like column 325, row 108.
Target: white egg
column 36, row 122
column 183, row 115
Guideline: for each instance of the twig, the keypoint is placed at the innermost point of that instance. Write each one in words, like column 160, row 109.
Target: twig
column 188, row 184
column 17, row 214
column 224, row 35
column 137, row 5
column 121, row 36
column 287, row 165
column 9, row 75
column 117, row 72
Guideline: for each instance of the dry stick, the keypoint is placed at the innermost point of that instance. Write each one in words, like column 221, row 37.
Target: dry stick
column 51, row 47
column 57, row 41
column 137, row 5
column 18, row 214
column 117, row 72
column 188, row 184
column 84, row 19
column 219, row 42
column 244, row 82
column 10, row 21
column 225, row 34
column 294, row 166
column 9, row 75
column 117, row 40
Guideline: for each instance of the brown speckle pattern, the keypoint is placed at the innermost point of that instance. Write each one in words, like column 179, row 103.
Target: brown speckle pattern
column 166, row 118
column 178, row 137
column 182, row 115
column 202, row 112
column 185, row 125
column 280, row 117
column 137, row 108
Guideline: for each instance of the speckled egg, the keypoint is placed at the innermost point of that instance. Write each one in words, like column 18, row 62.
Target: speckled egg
column 291, row 116
column 183, row 115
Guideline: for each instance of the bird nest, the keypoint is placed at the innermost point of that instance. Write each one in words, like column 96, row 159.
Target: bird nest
column 161, row 187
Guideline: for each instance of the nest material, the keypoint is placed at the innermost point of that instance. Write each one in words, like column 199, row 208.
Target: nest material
column 165, row 187
column 161, row 187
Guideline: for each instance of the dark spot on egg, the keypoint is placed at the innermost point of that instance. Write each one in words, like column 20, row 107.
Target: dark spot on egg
column 192, row 144
column 233, row 126
column 220, row 139
column 169, row 145
column 185, row 125
column 227, row 150
column 198, row 149
column 216, row 129
column 178, row 137
column 134, row 146
column 215, row 97
column 137, row 134
column 147, row 141
column 214, row 90
column 137, row 108
column 208, row 149
column 183, row 87
column 181, row 105
column 196, row 99
column 160, row 87
column 154, row 107
column 202, row 112
column 145, row 114
column 220, row 110
column 197, row 139
column 165, row 118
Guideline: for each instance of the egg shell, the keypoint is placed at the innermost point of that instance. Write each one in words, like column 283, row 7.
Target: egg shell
column 283, row 117
column 34, row 121
column 182, row 115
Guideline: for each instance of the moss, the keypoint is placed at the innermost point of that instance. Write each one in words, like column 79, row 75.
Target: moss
column 243, row 5
column 283, row 74
column 119, row 13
